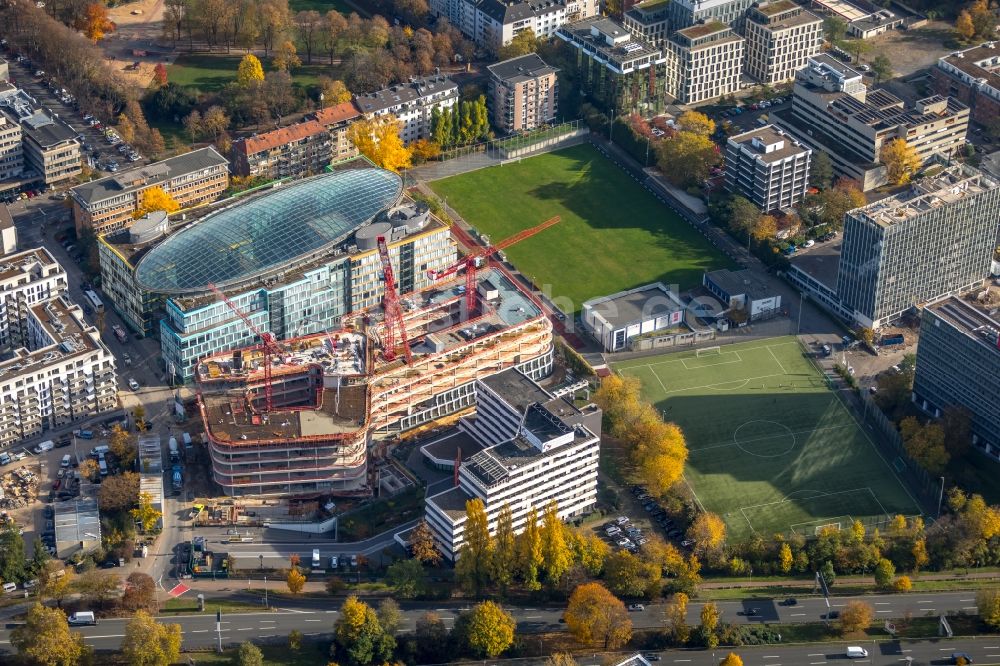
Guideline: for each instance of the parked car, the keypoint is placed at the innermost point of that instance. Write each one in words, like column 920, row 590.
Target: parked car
column 636, row 607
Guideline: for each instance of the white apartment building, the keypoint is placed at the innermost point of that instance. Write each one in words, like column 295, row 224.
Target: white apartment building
column 781, row 37
column 11, row 152
column 50, row 147
column 411, row 103
column 536, row 449
column 768, row 167
column 65, row 373
column 494, row 23
column 704, row 62
column 26, row 279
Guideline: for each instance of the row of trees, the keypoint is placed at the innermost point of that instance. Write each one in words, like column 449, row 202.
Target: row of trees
column 976, row 22
column 364, row 635
column 464, row 123
column 45, row 638
column 657, row 448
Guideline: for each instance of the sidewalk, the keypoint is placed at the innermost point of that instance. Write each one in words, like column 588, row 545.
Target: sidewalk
column 845, row 580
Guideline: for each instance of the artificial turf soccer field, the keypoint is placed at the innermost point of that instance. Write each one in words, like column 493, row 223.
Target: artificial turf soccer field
column 614, row 235
column 772, row 449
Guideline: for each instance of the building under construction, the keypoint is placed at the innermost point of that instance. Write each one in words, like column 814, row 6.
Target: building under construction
column 300, row 415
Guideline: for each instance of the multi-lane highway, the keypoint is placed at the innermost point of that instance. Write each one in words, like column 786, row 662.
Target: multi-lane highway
column 315, row 617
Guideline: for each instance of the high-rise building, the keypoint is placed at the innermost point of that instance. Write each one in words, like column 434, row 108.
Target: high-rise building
column 59, row 370
column 523, row 93
column 536, row 449
column 833, row 111
column 294, row 150
column 958, row 364
column 768, row 167
column 972, row 76
column 649, row 21
column 686, row 13
column 616, row 68
column 704, row 62
column 11, row 151
column 781, row 37
column 920, row 246
column 107, row 204
column 412, row 104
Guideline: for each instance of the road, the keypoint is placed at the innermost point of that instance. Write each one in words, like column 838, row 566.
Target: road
column 315, row 617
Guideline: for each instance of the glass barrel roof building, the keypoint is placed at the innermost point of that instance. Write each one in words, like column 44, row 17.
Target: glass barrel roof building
column 287, row 227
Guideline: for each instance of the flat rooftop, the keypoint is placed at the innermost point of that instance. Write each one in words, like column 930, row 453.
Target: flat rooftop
column 516, row 389
column 979, row 62
column 21, row 268
column 821, row 261
column 446, row 447
column 495, row 464
column 740, row 282
column 769, row 144
column 977, row 323
column 948, row 186
column 639, row 304
column 451, row 502
column 77, row 520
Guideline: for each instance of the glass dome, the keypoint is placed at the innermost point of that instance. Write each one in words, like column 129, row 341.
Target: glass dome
column 268, row 232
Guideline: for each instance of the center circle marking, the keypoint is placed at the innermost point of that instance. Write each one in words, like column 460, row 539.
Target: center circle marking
column 767, row 444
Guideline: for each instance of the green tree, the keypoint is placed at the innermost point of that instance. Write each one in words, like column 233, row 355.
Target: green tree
column 828, row 572
column 488, row 630
column 529, row 551
column 249, row 655
column 629, row 576
column 556, row 555
column 821, row 170
column 431, row 636
column 504, row 556
column 473, row 566
column 956, row 422
column 250, row 73
column 406, row 578
column 523, row 43
column 45, row 639
column 359, row 636
column 12, row 556
column 150, row 643
column 925, row 444
column 881, row 68
column 687, row 158
column 835, row 28
column 389, row 616
column 885, row 572
column 743, row 216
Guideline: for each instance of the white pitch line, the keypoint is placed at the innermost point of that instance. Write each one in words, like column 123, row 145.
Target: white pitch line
column 771, row 351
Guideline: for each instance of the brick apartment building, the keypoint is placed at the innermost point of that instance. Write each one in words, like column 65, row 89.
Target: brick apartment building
column 296, row 150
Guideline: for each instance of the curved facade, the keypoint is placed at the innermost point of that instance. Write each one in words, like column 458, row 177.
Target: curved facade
column 266, row 234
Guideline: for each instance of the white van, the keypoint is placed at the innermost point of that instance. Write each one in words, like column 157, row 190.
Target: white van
column 9, row 587
column 47, row 445
column 99, row 451
column 316, row 560
column 66, row 460
column 82, row 618
column 855, row 652
column 103, row 465
column 187, row 440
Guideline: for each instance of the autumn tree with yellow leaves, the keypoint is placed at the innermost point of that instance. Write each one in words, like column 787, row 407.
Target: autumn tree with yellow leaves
column 94, row 23
column 594, row 615
column 154, row 199
column 658, row 450
column 378, row 139
column 901, row 161
column 708, row 531
column 250, row 72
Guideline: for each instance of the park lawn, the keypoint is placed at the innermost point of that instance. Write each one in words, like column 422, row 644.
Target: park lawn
column 174, row 137
column 614, row 235
column 771, row 447
column 210, row 73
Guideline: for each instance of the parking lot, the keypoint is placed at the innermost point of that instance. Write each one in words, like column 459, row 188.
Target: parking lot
column 648, row 518
column 96, row 148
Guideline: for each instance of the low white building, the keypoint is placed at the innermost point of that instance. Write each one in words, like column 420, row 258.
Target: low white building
column 538, row 449
column 742, row 290
column 614, row 320
column 411, row 103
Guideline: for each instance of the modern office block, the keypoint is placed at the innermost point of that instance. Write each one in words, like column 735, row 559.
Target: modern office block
column 768, row 167
column 934, row 240
column 781, row 37
column 704, row 62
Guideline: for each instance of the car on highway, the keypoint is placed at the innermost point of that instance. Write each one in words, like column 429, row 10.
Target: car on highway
column 832, row 615
column 750, row 612
column 132, row 384
column 651, row 656
column 790, row 601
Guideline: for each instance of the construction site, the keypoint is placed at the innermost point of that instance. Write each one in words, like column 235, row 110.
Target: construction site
column 307, row 415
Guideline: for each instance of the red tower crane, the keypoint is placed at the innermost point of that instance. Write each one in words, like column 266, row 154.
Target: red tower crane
column 268, row 345
column 393, row 313
column 469, row 260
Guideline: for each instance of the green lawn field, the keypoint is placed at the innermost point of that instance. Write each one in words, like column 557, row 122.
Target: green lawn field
column 614, row 235
column 772, row 449
column 209, row 73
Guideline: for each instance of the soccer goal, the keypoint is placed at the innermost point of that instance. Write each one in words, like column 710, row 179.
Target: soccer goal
column 819, row 529
column 709, row 351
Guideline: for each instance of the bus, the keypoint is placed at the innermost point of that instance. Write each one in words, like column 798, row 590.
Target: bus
column 94, row 300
